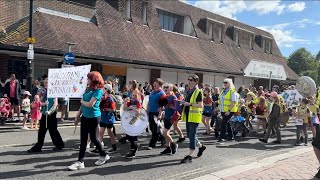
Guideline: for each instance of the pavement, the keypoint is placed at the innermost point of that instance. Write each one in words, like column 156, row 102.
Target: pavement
column 297, row 164
column 220, row 161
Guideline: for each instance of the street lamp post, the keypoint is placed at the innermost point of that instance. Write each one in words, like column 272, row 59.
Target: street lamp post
column 31, row 41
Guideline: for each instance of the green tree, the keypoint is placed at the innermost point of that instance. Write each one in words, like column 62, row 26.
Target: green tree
column 301, row 61
column 318, row 57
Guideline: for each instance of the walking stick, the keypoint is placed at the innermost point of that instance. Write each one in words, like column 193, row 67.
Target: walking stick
column 47, row 114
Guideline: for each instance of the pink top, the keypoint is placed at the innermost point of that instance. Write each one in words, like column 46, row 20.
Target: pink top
column 13, row 88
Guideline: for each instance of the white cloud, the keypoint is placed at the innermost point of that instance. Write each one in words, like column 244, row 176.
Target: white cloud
column 231, row 8
column 297, row 7
column 265, row 7
column 282, row 35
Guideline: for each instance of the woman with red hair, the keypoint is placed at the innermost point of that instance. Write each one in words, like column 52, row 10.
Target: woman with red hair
column 91, row 115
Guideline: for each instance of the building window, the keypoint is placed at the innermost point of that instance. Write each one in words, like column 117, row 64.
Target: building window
column 269, row 47
column 220, row 35
column 210, row 31
column 236, row 36
column 171, row 22
column 144, row 13
column 251, row 42
column 128, row 10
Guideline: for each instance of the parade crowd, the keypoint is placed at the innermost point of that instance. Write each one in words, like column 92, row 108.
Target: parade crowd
column 224, row 113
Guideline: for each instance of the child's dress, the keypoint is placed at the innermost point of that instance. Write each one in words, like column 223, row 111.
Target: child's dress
column 35, row 110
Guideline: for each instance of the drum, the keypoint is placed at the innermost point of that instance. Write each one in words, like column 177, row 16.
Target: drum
column 134, row 124
column 306, row 86
column 121, row 110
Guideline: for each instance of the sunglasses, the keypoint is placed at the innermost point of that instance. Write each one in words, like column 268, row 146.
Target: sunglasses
column 225, row 82
column 166, row 87
column 190, row 80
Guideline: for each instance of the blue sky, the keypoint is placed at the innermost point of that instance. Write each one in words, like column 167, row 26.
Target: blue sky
column 294, row 24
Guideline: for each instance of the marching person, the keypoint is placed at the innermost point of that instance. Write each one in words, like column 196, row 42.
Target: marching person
column 175, row 123
column 215, row 107
column 133, row 103
column 274, row 119
column 192, row 114
column 228, row 105
column 108, row 108
column 155, row 113
column 207, row 110
column 48, row 122
column 90, row 119
column 171, row 147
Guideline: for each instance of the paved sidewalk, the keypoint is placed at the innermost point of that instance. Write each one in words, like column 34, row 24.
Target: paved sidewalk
column 297, row 164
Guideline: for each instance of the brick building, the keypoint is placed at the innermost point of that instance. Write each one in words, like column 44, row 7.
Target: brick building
column 139, row 39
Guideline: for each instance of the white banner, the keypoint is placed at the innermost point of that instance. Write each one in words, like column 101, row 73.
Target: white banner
column 68, row 82
column 262, row 69
column 291, row 98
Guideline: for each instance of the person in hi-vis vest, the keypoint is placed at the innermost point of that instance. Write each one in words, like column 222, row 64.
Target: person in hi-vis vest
column 192, row 114
column 228, row 105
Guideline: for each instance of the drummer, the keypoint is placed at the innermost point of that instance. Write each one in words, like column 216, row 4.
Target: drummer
column 134, row 103
column 171, row 147
column 175, row 124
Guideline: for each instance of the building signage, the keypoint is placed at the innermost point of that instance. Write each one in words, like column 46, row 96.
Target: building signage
column 68, row 82
column 262, row 69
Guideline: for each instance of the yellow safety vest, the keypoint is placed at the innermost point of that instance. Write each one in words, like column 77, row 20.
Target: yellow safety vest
column 227, row 101
column 195, row 113
column 318, row 99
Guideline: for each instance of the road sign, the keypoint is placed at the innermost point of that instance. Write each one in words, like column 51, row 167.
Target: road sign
column 69, row 57
column 30, row 54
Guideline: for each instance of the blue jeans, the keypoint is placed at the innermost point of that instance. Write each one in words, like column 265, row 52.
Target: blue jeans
column 192, row 129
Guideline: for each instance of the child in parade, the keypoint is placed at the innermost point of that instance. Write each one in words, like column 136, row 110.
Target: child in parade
column 314, row 119
column 175, row 124
column 35, row 112
column 207, row 110
column 262, row 113
column 108, row 107
column 25, row 109
column 302, row 115
column 251, row 103
column 135, row 104
column 171, row 147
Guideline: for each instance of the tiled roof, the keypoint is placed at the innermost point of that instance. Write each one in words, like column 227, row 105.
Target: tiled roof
column 114, row 37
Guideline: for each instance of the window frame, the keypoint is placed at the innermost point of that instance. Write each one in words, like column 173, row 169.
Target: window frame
column 144, row 15
column 128, row 5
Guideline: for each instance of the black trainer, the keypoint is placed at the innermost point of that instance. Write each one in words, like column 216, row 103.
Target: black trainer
column 32, row 150
column 180, row 140
column 57, row 148
column 276, row 142
column 203, row 148
column 263, row 140
column 167, row 151
column 174, row 148
column 130, row 155
column 187, row 159
column 95, row 151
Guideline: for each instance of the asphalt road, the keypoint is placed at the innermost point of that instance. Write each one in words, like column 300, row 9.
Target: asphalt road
column 16, row 163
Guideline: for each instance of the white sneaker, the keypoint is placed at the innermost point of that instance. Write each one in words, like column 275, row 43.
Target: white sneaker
column 102, row 160
column 25, row 128
column 88, row 146
column 76, row 166
column 102, row 145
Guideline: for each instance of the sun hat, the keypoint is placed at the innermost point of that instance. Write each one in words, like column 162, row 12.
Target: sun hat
column 108, row 87
column 27, row 93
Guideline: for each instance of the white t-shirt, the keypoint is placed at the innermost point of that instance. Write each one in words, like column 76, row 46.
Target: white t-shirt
column 25, row 106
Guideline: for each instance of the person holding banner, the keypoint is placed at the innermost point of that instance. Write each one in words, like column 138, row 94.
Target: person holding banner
column 90, row 119
column 48, row 122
